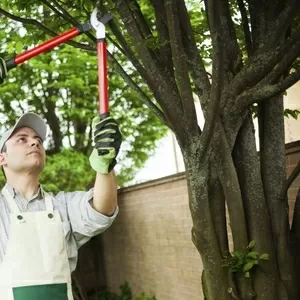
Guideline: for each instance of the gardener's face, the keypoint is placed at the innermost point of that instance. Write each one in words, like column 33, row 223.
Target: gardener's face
column 24, row 152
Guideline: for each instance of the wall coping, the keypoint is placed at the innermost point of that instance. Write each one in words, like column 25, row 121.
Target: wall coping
column 289, row 148
column 292, row 147
column 154, row 182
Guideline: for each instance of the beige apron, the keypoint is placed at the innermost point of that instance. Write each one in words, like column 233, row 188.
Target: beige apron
column 35, row 266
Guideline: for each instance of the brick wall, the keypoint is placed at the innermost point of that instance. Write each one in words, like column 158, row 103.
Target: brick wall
column 149, row 244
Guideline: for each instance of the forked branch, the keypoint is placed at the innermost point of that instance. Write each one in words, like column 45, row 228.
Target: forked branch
column 262, row 92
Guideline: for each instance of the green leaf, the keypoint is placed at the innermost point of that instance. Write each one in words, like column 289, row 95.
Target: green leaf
column 264, row 256
column 251, row 245
column 248, row 266
column 19, row 47
column 294, row 113
column 252, row 255
column 247, row 274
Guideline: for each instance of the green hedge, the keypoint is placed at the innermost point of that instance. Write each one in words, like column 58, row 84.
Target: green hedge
column 126, row 294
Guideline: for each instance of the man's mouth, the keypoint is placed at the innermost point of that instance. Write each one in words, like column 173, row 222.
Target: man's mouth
column 34, row 152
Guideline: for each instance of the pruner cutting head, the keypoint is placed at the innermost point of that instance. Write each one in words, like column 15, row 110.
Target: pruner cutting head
column 98, row 24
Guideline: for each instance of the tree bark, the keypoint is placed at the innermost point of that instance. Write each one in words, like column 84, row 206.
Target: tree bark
column 267, row 282
column 203, row 232
column 274, row 176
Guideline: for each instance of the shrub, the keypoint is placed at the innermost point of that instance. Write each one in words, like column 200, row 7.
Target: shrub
column 126, row 294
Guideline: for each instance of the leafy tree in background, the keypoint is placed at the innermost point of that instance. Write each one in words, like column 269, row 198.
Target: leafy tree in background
column 253, row 47
column 61, row 85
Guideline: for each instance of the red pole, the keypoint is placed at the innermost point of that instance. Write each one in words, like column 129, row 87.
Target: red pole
column 20, row 58
column 102, row 79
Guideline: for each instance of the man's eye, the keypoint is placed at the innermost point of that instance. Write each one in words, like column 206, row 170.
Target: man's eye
column 21, row 139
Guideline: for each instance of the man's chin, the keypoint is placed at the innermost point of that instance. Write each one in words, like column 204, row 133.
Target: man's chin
column 36, row 167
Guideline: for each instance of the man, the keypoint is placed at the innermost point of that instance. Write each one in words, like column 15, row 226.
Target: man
column 40, row 233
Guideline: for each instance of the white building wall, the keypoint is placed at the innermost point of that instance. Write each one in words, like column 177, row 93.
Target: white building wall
column 168, row 159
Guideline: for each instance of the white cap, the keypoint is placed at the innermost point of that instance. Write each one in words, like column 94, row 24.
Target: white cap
column 30, row 120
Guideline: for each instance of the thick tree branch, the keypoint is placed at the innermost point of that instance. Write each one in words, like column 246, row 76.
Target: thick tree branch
column 230, row 184
column 218, row 212
column 284, row 20
column 163, row 35
column 256, row 210
column 284, row 65
column 213, row 9
column 262, row 92
column 203, row 233
column 180, row 66
column 290, row 180
column 145, row 52
column 272, row 154
column 260, row 65
column 232, row 53
column 193, row 57
column 246, row 28
column 139, row 17
column 233, row 195
column 181, row 70
column 164, row 85
column 44, row 28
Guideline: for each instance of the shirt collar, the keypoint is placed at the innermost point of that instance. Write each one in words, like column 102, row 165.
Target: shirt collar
column 39, row 195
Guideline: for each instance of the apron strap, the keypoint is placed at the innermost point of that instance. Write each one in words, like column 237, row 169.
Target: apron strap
column 14, row 207
column 48, row 201
column 10, row 201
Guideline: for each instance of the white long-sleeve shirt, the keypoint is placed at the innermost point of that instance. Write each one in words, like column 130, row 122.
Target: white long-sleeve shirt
column 80, row 221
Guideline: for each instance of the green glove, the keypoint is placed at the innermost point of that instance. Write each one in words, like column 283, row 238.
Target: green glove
column 107, row 138
column 3, row 70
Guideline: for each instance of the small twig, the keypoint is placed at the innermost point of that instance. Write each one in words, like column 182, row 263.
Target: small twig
column 65, row 15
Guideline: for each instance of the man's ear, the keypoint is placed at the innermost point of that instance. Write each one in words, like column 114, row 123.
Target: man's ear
column 2, row 159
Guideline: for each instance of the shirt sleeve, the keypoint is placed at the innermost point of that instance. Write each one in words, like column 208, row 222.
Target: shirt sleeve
column 85, row 221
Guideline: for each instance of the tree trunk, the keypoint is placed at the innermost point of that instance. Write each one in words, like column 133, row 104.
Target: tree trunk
column 267, row 283
column 215, row 278
column 209, row 234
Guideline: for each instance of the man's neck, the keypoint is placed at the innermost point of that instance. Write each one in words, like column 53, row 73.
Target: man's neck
column 27, row 186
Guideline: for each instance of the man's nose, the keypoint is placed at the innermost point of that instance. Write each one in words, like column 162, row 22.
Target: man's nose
column 35, row 143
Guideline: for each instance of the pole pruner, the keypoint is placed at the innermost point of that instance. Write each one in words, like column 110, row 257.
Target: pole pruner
column 94, row 23
column 99, row 26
